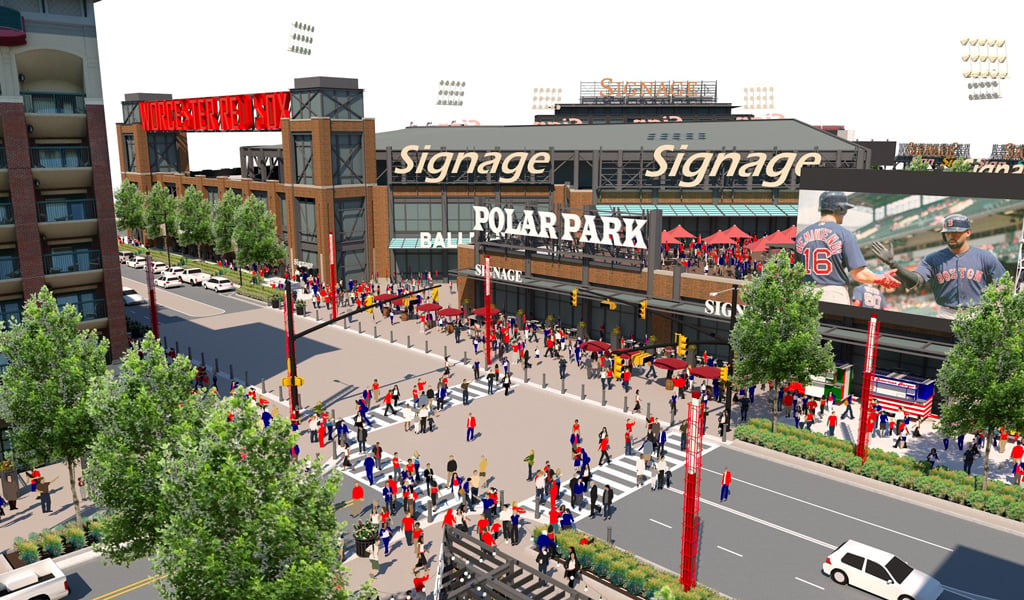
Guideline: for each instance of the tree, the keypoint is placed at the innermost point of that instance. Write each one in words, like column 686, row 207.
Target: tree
column 256, row 235
column 137, row 413
column 128, row 207
column 918, row 164
column 960, row 165
column 246, row 519
column 43, row 391
column 776, row 339
column 195, row 219
column 224, row 222
column 160, row 215
column 982, row 378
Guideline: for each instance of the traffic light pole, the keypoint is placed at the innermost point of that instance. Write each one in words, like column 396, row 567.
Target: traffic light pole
column 728, row 384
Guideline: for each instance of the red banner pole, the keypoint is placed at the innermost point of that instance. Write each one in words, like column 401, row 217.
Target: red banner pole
column 691, row 495
column 334, row 278
column 153, row 320
column 870, row 351
column 487, row 310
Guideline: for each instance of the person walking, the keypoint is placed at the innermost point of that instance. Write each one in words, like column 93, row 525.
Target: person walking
column 470, row 427
column 572, row 567
column 507, row 382
column 726, row 481
column 606, row 502
column 452, row 468
column 832, row 424
column 44, row 493
column 969, row 456
column 483, row 470
column 744, row 407
column 640, row 470
column 932, row 457
column 603, row 446
column 465, row 391
column 357, row 501
column 848, row 403
column 529, row 460
column 594, row 493
column 490, row 381
column 423, row 414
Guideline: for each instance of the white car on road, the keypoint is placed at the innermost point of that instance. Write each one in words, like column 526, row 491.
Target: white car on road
column 167, row 280
column 219, row 284
column 878, row 572
column 39, row 580
column 131, row 297
column 194, row 276
column 138, row 262
column 158, row 267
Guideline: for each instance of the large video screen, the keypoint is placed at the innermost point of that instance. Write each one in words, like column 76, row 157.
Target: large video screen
column 839, row 231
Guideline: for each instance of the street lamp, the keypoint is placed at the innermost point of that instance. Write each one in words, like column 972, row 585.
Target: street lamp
column 728, row 384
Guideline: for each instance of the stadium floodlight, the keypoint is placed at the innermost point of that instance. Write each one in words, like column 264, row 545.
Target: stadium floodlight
column 759, row 97
column 450, row 92
column 301, row 38
column 984, row 58
column 546, row 98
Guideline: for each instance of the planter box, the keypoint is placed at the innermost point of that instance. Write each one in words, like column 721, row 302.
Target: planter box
column 363, row 546
column 300, row 310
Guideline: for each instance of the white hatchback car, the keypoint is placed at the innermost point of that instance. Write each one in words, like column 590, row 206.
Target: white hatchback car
column 138, row 262
column 167, row 280
column 878, row 572
column 131, row 297
column 219, row 284
column 158, row 267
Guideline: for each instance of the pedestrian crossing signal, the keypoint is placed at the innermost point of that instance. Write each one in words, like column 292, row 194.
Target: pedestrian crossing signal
column 643, row 309
column 617, row 368
column 287, row 381
column 680, row 344
column 433, row 294
column 725, row 374
column 575, row 296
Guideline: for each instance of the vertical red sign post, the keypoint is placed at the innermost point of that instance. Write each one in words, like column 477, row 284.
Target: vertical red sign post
column 487, row 310
column 691, row 494
column 154, row 322
column 865, row 391
column 334, row 278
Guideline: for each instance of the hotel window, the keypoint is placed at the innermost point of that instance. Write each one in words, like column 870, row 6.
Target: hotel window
column 211, row 195
column 303, row 158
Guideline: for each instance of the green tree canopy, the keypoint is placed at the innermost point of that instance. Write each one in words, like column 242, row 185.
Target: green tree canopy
column 256, row 234
column 918, row 164
column 982, row 378
column 195, row 219
column 961, row 165
column 247, row 520
column 160, row 214
column 224, row 222
column 128, row 207
column 138, row 415
column 776, row 339
column 43, row 391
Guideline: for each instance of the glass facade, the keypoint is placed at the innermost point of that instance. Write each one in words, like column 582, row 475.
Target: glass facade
column 333, row 104
column 211, row 195
column 414, row 217
column 302, row 158
column 350, row 243
column 305, row 219
column 283, row 205
column 129, row 152
column 347, row 158
column 163, row 152
column 460, row 216
column 438, row 262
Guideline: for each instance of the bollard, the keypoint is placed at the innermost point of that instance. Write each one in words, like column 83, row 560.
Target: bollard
column 465, row 356
column 608, row 537
column 280, row 393
column 583, row 392
column 216, row 365
column 501, row 498
column 625, row 404
column 426, row 346
column 247, row 378
column 317, row 313
column 604, row 401
column 202, row 357
column 165, row 342
column 345, row 321
column 360, row 323
column 263, row 386
column 648, row 411
column 430, row 509
column 231, row 371
column 536, row 509
column 562, row 379
column 543, row 380
column 374, row 332
column 446, row 352
column 408, row 341
column 391, row 333
column 190, row 351
column 176, row 349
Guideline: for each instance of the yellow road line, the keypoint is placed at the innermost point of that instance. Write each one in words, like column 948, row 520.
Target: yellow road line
column 131, row 587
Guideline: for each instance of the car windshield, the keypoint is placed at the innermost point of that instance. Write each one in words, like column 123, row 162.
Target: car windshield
column 898, row 569
column 129, row 291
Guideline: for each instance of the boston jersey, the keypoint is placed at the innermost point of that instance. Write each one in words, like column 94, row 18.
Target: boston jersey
column 958, row 279
column 829, row 252
column 869, row 297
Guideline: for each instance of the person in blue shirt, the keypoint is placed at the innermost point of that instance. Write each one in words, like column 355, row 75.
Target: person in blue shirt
column 368, row 465
column 567, row 521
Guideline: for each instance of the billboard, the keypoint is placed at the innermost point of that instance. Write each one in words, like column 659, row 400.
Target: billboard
column 954, row 245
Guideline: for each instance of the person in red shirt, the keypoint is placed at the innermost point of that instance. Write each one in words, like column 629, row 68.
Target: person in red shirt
column 419, row 579
column 809, row 419
column 604, row 452
column 787, row 402
column 407, row 523
column 357, row 500
column 470, row 426
column 553, row 516
column 726, row 482
column 449, row 518
column 832, row 424
column 1015, row 455
column 482, row 526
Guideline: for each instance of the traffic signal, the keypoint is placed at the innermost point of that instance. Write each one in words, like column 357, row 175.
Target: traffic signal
column 575, row 296
column 611, row 305
column 434, row 294
column 680, row 344
column 725, row 374
column 617, row 368
column 643, row 309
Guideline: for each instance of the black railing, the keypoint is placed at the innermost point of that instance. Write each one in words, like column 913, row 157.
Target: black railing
column 55, row 103
column 6, row 213
column 59, row 157
column 10, row 267
column 90, row 309
column 3, row 157
column 71, row 261
column 76, row 209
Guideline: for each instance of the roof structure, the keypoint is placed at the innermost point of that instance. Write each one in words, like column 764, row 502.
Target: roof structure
column 784, row 134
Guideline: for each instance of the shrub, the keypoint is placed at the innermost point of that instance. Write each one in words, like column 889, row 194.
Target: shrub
column 617, row 573
column 602, row 564
column 28, row 550
column 977, row 499
column 886, row 473
column 996, row 504
column 853, row 464
column 870, row 468
column 52, row 544
column 958, row 493
column 74, row 536
column 906, row 478
column 1015, row 510
column 634, row 582
column 96, row 530
column 924, row 484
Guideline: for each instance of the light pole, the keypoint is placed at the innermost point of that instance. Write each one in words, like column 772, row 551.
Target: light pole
column 728, row 383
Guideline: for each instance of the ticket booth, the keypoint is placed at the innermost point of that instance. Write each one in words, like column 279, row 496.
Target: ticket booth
column 894, row 391
column 838, row 384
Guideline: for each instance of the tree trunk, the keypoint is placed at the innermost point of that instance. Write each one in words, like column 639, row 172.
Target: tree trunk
column 773, row 405
column 73, row 484
column 241, row 282
column 989, row 433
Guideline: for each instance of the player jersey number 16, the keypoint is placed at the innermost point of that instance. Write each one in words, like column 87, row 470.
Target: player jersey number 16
column 818, row 261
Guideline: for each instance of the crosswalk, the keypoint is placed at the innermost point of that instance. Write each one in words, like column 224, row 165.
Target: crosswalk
column 620, row 474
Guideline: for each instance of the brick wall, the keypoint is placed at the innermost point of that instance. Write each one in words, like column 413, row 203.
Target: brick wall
column 23, row 196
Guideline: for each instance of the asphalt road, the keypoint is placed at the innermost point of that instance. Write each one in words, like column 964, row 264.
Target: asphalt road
column 226, row 301
column 770, row 539
column 98, row 581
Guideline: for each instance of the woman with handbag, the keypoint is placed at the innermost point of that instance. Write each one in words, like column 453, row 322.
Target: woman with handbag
column 572, row 567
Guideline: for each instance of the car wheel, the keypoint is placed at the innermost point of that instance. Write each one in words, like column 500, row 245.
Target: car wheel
column 906, row 598
column 840, row 577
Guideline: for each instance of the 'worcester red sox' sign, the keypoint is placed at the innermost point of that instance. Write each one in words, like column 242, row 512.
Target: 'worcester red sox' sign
column 242, row 112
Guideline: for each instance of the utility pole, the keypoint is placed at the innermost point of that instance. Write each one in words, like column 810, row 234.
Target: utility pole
column 732, row 358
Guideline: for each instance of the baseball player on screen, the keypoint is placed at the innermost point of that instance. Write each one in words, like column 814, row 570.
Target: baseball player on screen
column 831, row 254
column 957, row 273
column 868, row 296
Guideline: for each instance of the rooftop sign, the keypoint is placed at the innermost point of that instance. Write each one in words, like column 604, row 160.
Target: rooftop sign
column 241, row 112
column 668, row 91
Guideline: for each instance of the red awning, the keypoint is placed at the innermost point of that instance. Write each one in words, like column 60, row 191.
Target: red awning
column 719, row 237
column 482, row 312
column 668, row 238
column 429, row 307
column 595, row 346
column 450, row 312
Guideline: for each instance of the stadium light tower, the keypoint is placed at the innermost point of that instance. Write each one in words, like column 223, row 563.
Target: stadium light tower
column 759, row 98
column 301, row 39
column 546, row 98
column 984, row 66
column 450, row 93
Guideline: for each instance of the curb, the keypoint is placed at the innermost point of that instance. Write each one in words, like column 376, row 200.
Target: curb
column 73, row 559
column 886, row 489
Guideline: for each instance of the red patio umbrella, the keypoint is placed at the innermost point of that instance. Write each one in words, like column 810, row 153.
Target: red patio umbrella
column 668, row 238
column 482, row 312
column 679, row 233
column 384, row 297
column 450, row 312
column 595, row 346
column 706, row 372
column 788, row 234
column 736, row 233
column 719, row 237
column 672, row 364
column 429, row 307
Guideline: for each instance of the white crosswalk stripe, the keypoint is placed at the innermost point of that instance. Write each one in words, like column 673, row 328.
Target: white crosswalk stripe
column 620, row 474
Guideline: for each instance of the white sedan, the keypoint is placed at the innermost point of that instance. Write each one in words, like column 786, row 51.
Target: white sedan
column 878, row 572
column 131, row 297
column 167, row 280
column 138, row 262
column 219, row 284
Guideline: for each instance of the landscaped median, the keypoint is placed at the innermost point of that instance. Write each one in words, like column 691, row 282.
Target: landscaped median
column 956, row 486
column 55, row 542
column 624, row 570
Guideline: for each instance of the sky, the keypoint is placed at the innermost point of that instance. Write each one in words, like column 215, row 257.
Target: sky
column 886, row 70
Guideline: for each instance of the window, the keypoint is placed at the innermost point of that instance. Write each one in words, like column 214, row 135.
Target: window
column 347, row 158
column 10, row 266
column 10, row 310
column 305, row 218
column 284, row 215
column 302, row 157
column 899, row 569
column 163, row 152
column 414, row 217
column 211, row 195
column 89, row 302
column 460, row 216
column 857, row 562
column 129, row 152
column 262, row 197
column 349, row 219
column 876, row 570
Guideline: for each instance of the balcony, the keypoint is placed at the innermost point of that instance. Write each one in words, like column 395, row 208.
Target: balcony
column 10, row 273
column 7, row 231
column 58, row 167
column 93, row 311
column 55, row 114
column 66, row 268
column 62, row 218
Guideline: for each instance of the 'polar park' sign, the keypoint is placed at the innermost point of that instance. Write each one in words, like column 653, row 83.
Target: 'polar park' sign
column 592, row 229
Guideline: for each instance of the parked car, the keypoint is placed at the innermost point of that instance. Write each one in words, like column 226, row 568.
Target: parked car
column 138, row 262
column 167, row 280
column 159, row 267
column 125, row 255
column 878, row 572
column 39, row 580
column 219, row 284
column 194, row 276
column 131, row 297
column 176, row 270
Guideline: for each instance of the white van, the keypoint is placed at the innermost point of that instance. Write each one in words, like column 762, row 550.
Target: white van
column 125, row 255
